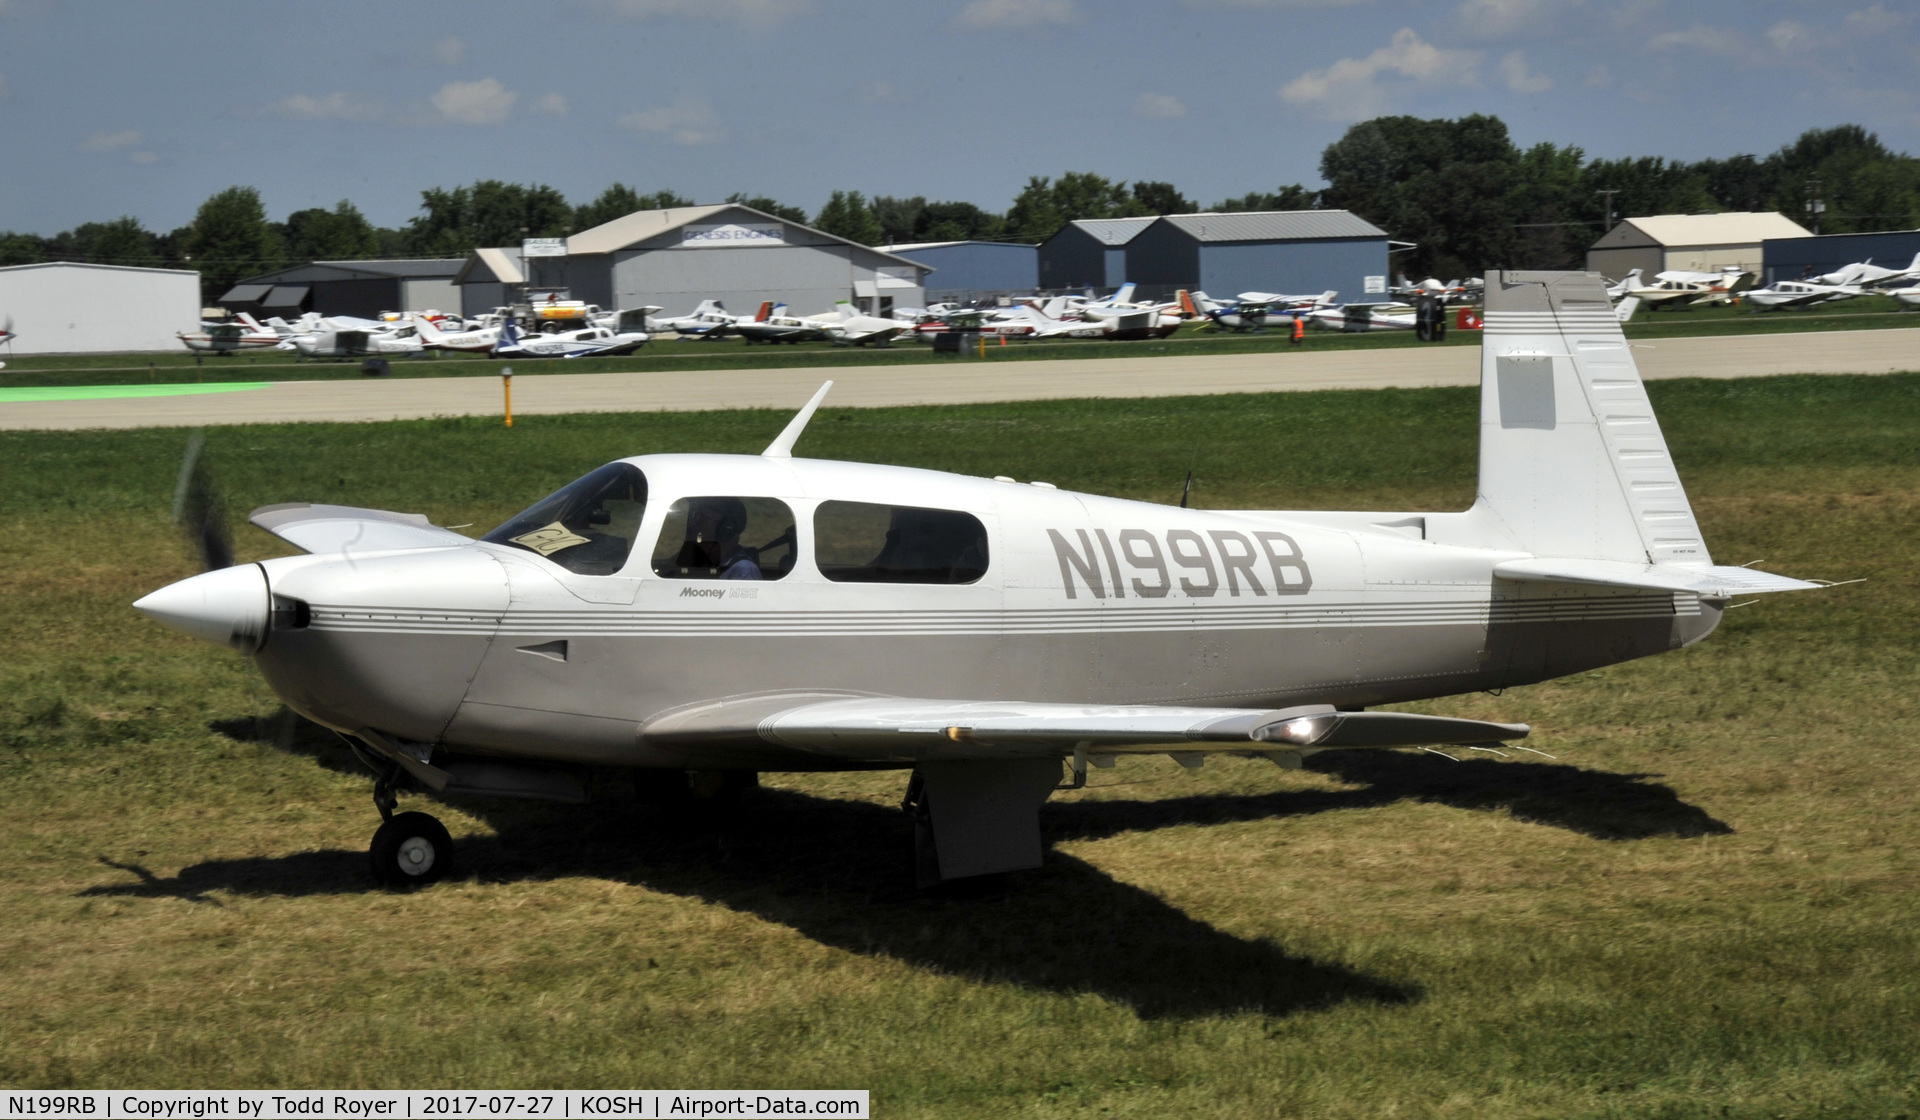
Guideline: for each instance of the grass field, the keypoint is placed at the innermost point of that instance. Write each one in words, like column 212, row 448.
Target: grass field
column 1703, row 906
column 1865, row 313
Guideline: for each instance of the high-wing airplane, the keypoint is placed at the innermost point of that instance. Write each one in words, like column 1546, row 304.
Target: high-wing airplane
column 1252, row 311
column 354, row 343
column 243, row 333
column 1356, row 317
column 588, row 342
column 721, row 615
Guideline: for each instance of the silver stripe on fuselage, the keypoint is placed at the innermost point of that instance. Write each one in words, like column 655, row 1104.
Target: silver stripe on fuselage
column 1081, row 621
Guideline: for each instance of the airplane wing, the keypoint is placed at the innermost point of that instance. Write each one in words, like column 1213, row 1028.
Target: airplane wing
column 329, row 529
column 903, row 729
column 1714, row 582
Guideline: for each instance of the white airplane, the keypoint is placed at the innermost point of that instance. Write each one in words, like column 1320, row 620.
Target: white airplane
column 1797, row 293
column 243, row 333
column 773, row 324
column 1908, row 296
column 1866, row 274
column 709, row 320
column 701, row 618
column 846, row 326
column 480, row 340
column 1113, row 325
column 1252, row 311
column 1358, row 317
column 587, row 342
column 1450, row 291
column 354, row 343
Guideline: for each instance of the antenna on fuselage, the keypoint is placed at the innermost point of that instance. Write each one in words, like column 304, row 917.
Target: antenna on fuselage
column 1187, row 490
column 782, row 446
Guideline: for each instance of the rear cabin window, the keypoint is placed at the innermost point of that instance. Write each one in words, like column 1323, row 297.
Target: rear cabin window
column 725, row 537
column 587, row 526
column 862, row 542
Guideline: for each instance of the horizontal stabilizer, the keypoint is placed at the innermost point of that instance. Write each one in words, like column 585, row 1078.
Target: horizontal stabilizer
column 1714, row 582
column 897, row 729
column 332, row 529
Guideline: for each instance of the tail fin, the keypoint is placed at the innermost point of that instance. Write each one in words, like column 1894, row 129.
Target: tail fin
column 1572, row 461
column 766, row 309
column 1187, row 304
column 1125, row 294
column 1624, row 310
column 430, row 332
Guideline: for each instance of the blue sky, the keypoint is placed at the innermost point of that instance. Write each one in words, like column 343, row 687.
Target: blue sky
column 143, row 108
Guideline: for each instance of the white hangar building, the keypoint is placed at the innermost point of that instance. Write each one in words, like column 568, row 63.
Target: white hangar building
column 65, row 308
column 677, row 257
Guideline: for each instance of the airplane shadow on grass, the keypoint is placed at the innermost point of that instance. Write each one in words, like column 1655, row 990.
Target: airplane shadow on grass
column 839, row 872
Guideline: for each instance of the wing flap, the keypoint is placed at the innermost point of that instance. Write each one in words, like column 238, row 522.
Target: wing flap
column 325, row 529
column 1718, row 582
column 902, row 729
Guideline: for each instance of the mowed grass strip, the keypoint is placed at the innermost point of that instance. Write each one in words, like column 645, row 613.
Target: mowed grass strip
column 1701, row 906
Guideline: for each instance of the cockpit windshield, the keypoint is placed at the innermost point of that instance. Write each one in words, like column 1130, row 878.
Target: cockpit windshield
column 587, row 526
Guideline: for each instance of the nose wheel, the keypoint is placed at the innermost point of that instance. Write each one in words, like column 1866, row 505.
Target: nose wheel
column 410, row 849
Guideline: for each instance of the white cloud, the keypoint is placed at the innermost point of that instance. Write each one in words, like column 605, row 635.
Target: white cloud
column 1706, row 40
column 450, row 51
column 982, row 15
column 144, row 157
column 1513, row 67
column 746, row 13
column 108, row 141
column 332, row 107
column 689, row 121
column 1874, row 20
column 1351, row 88
column 1495, row 18
column 551, row 104
column 1159, row 107
column 483, row 102
column 1789, row 37
column 1599, row 77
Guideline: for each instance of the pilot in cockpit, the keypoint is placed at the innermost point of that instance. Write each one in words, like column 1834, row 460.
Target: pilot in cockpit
column 714, row 526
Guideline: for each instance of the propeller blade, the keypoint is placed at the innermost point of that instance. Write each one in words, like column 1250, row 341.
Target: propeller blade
column 201, row 510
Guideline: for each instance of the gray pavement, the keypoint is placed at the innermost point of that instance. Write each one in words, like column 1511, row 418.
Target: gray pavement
column 962, row 382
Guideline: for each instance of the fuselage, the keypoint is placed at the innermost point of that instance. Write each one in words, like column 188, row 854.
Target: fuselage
column 495, row 648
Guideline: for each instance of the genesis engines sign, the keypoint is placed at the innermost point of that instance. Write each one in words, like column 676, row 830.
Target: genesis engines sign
column 726, row 236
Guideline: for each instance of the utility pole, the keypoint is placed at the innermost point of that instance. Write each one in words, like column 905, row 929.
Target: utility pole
column 1815, row 207
column 1609, row 194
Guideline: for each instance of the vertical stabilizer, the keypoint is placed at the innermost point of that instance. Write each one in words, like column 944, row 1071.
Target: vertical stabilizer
column 1572, row 461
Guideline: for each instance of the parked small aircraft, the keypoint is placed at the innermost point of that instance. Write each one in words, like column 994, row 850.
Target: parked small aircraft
column 1866, row 274
column 588, row 342
column 709, row 320
column 354, row 343
column 1252, row 311
column 1356, row 317
column 243, row 333
column 719, row 615
column 847, row 326
column 479, row 341
column 773, row 324
column 1797, row 293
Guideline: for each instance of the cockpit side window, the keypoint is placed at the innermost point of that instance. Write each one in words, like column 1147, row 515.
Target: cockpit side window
column 587, row 526
column 862, row 542
column 725, row 537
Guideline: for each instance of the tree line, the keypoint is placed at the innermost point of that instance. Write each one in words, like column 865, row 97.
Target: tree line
column 1461, row 191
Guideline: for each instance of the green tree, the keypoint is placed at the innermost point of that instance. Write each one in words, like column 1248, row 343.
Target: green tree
column 959, row 221
column 231, row 238
column 489, row 213
column 1161, row 198
column 21, row 248
column 619, row 200
column 121, row 241
column 1044, row 205
column 901, row 219
column 769, row 206
column 847, row 215
column 1291, row 197
column 339, row 234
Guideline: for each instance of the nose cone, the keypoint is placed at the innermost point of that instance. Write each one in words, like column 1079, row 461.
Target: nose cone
column 228, row 607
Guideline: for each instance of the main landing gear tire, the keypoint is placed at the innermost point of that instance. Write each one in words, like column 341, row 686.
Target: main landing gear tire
column 411, row 850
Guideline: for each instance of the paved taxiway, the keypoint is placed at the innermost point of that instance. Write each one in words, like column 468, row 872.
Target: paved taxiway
column 961, row 382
